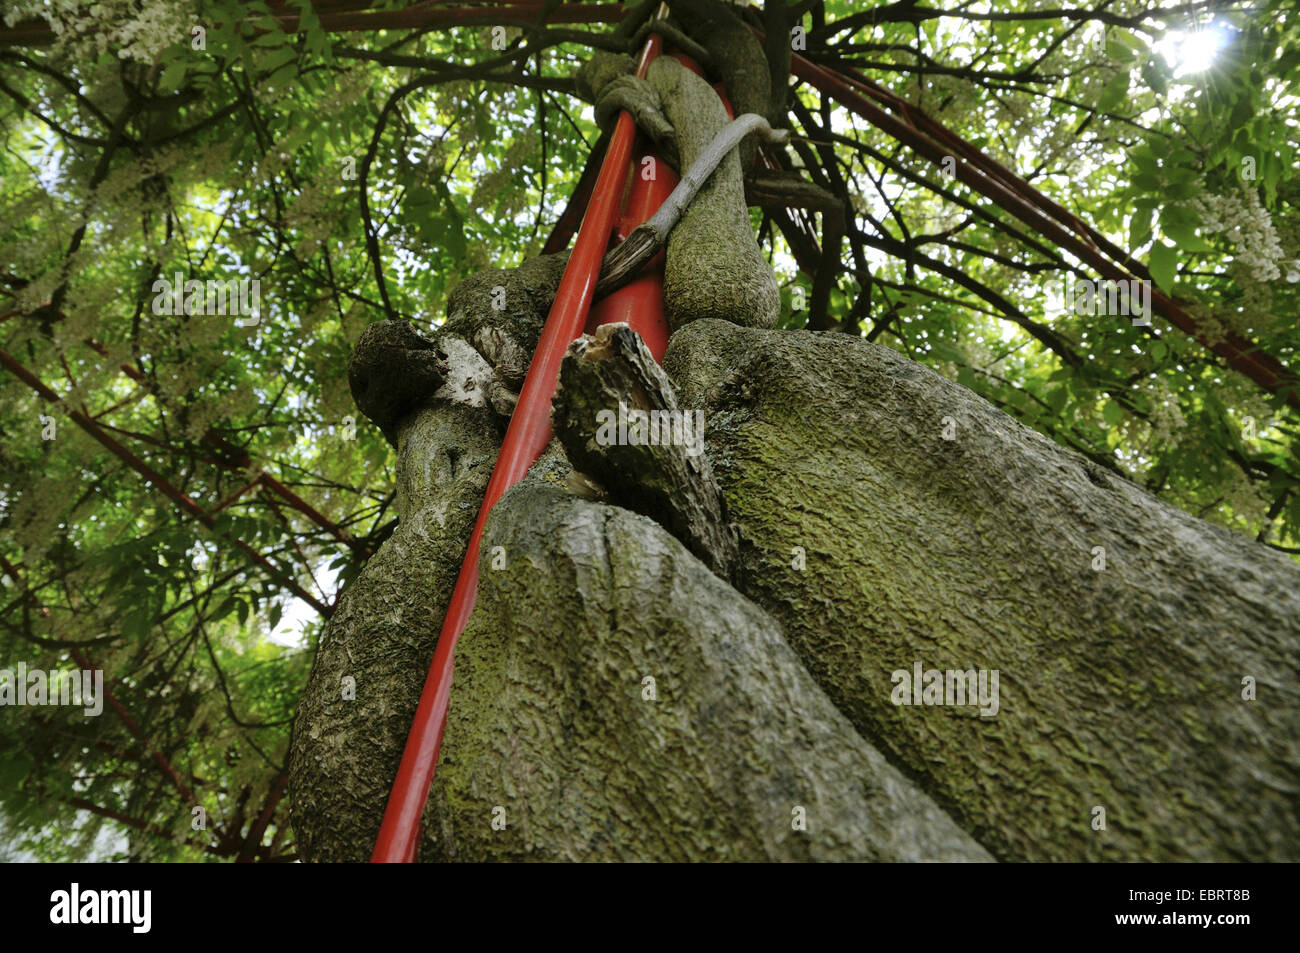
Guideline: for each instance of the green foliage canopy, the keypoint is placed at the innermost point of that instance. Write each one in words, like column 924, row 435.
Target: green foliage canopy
column 284, row 149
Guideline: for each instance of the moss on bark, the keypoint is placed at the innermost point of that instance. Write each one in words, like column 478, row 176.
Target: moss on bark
column 1120, row 688
column 551, row 732
column 713, row 267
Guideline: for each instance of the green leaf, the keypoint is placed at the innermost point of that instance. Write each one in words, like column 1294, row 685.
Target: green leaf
column 136, row 623
column 283, row 76
column 1241, row 113
column 943, row 351
column 1181, row 168
column 1057, row 398
column 1128, row 40
column 483, row 127
column 227, row 606
column 1139, row 227
column 279, row 59
column 1113, row 93
column 172, row 77
column 1156, row 75
column 1144, row 158
column 1180, row 223
column 420, row 200
column 1147, row 181
column 1289, row 62
column 1163, row 263
column 1112, row 413
column 1120, row 52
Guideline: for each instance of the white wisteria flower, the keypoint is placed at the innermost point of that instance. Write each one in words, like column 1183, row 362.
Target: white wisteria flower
column 1245, row 222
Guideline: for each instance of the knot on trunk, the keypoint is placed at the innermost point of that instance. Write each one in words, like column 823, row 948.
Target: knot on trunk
column 478, row 357
column 392, row 369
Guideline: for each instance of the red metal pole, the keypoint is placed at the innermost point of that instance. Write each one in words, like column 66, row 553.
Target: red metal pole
column 526, row 437
column 640, row 303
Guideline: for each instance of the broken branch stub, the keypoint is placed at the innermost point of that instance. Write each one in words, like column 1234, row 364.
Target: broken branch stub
column 619, row 421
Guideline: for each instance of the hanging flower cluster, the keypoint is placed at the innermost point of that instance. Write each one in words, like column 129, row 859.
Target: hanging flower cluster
column 138, row 29
column 1245, row 222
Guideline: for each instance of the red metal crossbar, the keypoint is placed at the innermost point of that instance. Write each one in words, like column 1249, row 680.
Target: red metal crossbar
column 639, row 303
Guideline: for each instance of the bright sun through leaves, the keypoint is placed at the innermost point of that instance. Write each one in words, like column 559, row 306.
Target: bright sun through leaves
column 1191, row 51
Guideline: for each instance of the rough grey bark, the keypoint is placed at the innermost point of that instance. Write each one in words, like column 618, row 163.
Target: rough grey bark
column 735, row 57
column 713, row 267
column 479, row 355
column 392, row 368
column 1121, row 687
column 345, row 750
column 382, row 634
column 554, row 734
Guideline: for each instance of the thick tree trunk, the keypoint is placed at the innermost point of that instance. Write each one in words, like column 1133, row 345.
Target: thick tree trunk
column 1121, row 687
column 348, row 735
column 615, row 700
column 888, row 521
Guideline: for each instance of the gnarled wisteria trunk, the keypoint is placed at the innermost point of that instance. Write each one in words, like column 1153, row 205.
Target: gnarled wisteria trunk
column 876, row 618
column 1102, row 676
